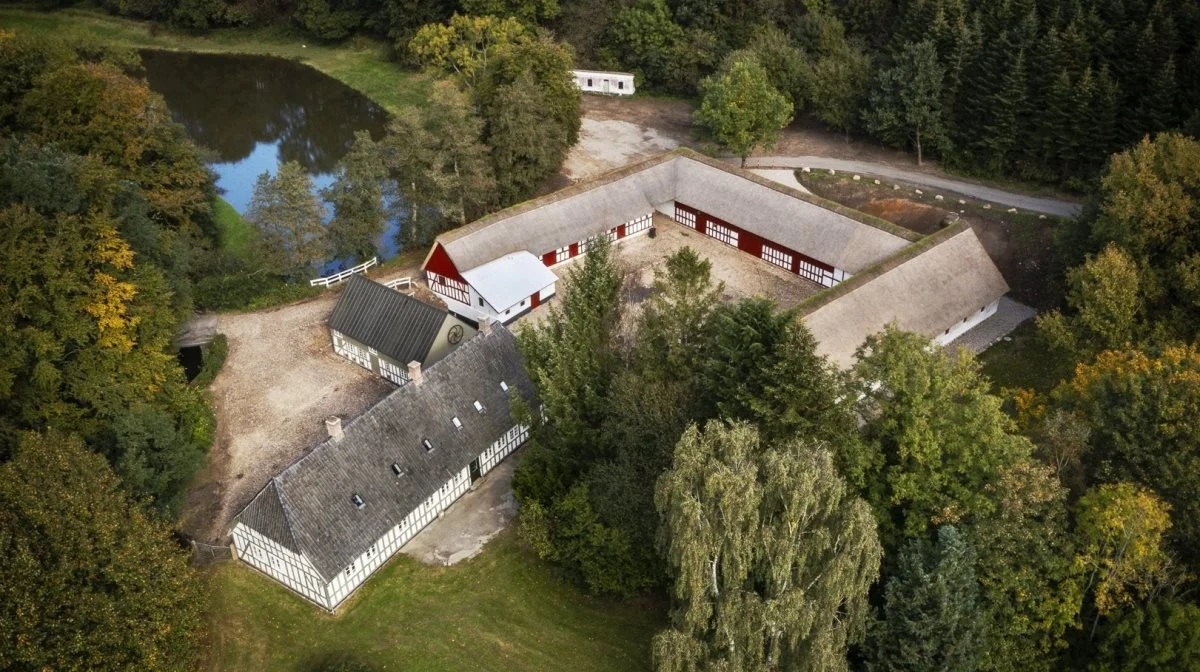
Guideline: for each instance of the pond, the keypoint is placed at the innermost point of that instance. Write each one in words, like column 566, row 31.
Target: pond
column 255, row 112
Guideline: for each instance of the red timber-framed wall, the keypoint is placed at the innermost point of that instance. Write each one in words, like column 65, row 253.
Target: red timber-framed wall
column 767, row 250
column 619, row 232
column 443, row 276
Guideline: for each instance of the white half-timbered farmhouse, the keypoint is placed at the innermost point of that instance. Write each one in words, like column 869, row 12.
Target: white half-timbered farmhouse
column 819, row 241
column 383, row 330
column 333, row 517
column 597, row 81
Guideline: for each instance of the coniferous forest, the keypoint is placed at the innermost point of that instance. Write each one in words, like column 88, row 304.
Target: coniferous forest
column 1042, row 90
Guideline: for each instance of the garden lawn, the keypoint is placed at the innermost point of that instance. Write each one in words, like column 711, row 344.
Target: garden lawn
column 361, row 63
column 503, row 610
column 235, row 230
column 1024, row 362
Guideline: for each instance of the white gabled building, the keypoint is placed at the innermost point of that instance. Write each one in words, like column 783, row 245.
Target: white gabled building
column 334, row 516
column 383, row 330
column 598, row 81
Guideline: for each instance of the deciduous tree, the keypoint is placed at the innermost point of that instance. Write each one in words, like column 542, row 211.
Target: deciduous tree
column 742, row 109
column 1122, row 552
column 1142, row 410
column 1105, row 301
column 905, row 104
column 90, row 582
column 771, row 555
column 935, row 440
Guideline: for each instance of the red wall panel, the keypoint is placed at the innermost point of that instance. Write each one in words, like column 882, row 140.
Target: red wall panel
column 440, row 263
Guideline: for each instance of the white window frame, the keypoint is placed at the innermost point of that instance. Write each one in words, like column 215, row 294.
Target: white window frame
column 777, row 257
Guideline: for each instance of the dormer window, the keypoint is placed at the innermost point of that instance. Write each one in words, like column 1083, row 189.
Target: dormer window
column 428, row 445
column 479, row 407
column 397, row 470
column 358, row 501
column 504, row 386
column 457, row 423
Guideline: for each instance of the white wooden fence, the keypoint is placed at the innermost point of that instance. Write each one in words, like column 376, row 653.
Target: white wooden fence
column 338, row 277
column 400, row 284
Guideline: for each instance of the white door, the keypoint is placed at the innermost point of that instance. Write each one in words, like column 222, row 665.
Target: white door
column 606, row 85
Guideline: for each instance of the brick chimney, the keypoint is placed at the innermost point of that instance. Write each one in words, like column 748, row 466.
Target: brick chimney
column 414, row 372
column 333, row 425
column 485, row 325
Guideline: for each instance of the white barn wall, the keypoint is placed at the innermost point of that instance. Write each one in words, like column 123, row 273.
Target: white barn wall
column 297, row 573
column 967, row 323
column 291, row 569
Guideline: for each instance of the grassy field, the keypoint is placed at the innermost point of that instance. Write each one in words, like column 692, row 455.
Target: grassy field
column 361, row 63
column 1024, row 361
column 235, row 231
column 503, row 610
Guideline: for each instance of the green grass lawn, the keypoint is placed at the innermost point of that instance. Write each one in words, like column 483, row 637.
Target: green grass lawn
column 1025, row 361
column 235, row 230
column 363, row 64
column 504, row 610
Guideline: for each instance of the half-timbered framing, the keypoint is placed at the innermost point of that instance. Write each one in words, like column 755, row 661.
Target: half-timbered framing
column 818, row 241
column 333, row 517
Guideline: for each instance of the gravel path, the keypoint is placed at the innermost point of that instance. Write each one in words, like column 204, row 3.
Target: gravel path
column 279, row 382
column 1048, row 206
column 785, row 177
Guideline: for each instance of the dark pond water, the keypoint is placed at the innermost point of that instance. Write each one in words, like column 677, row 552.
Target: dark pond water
column 255, row 112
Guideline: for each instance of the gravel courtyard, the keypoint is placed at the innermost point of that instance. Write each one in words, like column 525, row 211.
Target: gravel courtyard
column 744, row 276
column 279, row 382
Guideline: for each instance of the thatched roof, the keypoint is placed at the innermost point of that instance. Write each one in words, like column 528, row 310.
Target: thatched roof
column 308, row 507
column 926, row 288
column 823, row 230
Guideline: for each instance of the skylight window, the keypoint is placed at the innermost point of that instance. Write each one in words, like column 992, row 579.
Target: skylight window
column 457, row 423
column 397, row 470
column 479, row 407
column 428, row 445
column 503, row 386
column 358, row 501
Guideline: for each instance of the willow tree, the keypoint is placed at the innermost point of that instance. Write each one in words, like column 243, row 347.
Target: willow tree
column 772, row 555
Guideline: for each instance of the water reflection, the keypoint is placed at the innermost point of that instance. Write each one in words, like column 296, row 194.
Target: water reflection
column 255, row 112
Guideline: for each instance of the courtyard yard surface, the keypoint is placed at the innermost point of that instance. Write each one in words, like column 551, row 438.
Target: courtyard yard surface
column 744, row 276
column 475, row 519
column 503, row 610
column 281, row 379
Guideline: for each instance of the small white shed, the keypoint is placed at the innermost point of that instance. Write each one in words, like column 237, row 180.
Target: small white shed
column 596, row 81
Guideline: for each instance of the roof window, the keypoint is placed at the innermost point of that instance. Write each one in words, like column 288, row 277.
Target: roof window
column 428, row 445
column 503, row 386
column 479, row 407
column 397, row 470
column 457, row 423
column 358, row 501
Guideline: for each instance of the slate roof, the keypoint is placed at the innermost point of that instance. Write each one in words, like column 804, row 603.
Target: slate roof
column 926, row 289
column 821, row 229
column 310, row 500
column 398, row 326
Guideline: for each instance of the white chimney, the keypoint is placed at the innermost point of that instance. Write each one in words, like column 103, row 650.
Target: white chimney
column 485, row 325
column 333, row 425
column 414, row 372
